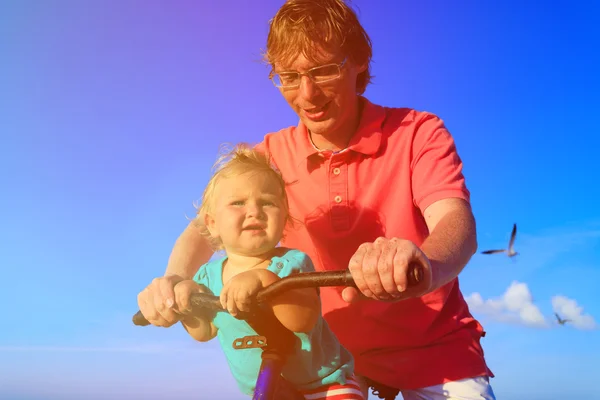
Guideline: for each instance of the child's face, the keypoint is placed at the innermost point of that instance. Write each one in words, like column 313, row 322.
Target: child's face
column 248, row 213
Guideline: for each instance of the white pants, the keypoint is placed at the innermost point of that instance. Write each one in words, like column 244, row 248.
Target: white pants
column 465, row 389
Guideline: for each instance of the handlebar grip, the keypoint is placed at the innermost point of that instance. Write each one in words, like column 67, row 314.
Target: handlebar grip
column 199, row 301
column 415, row 274
column 139, row 320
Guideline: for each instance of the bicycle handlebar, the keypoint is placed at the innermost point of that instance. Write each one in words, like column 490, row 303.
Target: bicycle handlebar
column 299, row 281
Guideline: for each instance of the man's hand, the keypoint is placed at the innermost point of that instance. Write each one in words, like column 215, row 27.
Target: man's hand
column 380, row 271
column 157, row 301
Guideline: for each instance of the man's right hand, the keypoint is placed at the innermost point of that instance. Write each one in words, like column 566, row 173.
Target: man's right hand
column 157, row 301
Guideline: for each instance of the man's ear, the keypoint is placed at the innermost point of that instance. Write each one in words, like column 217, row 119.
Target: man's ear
column 361, row 68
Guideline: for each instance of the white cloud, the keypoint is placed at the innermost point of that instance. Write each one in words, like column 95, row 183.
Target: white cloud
column 515, row 306
column 568, row 309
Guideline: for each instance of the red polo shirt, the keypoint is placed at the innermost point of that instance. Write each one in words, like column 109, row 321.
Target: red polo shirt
column 399, row 162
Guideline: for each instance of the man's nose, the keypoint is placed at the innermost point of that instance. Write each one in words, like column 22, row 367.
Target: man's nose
column 308, row 89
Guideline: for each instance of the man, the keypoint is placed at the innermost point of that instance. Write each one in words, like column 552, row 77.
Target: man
column 374, row 189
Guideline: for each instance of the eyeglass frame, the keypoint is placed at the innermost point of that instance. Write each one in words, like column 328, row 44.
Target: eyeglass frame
column 307, row 73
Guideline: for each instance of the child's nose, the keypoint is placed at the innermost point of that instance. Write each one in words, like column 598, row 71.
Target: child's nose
column 255, row 211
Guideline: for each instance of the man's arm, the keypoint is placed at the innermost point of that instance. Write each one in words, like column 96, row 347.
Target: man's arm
column 157, row 300
column 439, row 191
column 452, row 240
column 191, row 250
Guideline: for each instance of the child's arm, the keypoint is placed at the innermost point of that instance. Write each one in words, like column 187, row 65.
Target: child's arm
column 200, row 328
column 298, row 310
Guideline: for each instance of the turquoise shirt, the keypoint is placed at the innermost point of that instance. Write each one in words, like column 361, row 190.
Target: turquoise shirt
column 319, row 358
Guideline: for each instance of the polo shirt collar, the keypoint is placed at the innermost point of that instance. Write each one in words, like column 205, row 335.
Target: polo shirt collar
column 367, row 138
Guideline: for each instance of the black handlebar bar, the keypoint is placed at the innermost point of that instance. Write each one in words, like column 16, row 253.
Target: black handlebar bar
column 299, row 281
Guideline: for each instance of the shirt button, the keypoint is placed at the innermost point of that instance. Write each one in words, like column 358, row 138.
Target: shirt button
column 338, row 199
column 336, row 171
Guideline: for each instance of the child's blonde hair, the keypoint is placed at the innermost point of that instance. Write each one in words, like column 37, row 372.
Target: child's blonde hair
column 231, row 163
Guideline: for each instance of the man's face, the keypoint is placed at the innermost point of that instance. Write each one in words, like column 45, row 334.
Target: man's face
column 325, row 108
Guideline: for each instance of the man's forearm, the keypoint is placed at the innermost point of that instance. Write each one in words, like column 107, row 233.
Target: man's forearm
column 450, row 246
column 190, row 251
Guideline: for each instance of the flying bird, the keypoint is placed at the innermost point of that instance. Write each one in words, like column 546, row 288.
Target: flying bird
column 511, row 250
column 560, row 320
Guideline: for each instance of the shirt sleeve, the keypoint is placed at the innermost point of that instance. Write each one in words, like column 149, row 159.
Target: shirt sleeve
column 202, row 277
column 292, row 262
column 436, row 166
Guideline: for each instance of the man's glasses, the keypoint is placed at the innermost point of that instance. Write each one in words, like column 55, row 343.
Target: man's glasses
column 320, row 74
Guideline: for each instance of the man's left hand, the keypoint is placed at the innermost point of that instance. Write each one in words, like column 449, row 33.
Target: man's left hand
column 380, row 270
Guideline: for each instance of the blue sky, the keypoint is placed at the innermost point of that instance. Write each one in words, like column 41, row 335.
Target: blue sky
column 113, row 111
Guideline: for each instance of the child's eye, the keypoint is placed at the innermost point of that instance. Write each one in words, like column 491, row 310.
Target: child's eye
column 237, row 203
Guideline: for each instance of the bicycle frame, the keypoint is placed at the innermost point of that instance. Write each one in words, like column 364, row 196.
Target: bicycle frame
column 268, row 376
column 279, row 339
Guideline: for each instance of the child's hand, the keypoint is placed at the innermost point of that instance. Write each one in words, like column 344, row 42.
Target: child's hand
column 199, row 324
column 238, row 293
column 183, row 290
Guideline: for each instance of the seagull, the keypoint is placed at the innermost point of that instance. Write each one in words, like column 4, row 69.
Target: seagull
column 561, row 321
column 511, row 250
